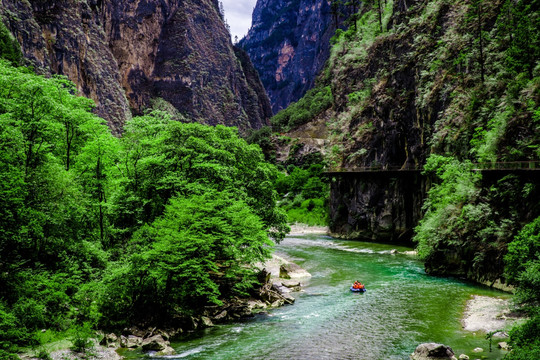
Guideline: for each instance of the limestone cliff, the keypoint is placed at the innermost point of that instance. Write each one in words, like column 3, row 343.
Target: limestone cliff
column 289, row 43
column 124, row 53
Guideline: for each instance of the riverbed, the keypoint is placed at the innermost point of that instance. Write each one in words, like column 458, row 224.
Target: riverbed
column 401, row 308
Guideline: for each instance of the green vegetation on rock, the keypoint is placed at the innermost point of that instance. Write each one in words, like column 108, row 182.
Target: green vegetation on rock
column 9, row 47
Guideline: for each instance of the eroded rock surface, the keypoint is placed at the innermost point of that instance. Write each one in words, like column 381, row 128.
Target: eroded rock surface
column 126, row 53
column 289, row 43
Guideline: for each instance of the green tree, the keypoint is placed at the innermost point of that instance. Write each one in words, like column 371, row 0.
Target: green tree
column 477, row 8
column 518, row 27
column 164, row 158
column 199, row 252
column 354, row 7
column 335, row 10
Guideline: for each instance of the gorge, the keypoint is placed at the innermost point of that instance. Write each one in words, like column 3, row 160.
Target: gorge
column 143, row 178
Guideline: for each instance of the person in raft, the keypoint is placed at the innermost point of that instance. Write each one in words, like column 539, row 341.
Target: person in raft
column 358, row 285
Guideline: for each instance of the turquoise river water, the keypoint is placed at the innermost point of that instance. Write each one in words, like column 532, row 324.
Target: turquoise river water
column 402, row 308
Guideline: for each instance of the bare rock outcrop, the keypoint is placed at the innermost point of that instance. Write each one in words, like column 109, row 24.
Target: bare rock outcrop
column 124, row 54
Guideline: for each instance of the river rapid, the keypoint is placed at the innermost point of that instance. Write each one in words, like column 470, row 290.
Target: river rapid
column 402, row 308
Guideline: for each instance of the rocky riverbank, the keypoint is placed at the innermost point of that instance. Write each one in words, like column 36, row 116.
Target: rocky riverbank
column 278, row 276
column 488, row 314
column 484, row 314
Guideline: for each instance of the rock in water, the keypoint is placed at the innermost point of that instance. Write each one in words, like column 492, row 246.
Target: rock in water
column 130, row 342
column 166, row 352
column 156, row 343
column 433, row 351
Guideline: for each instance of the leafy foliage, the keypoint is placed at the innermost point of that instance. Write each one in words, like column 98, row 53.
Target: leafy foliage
column 525, row 340
column 164, row 158
column 195, row 254
column 312, row 104
column 523, row 264
column 444, row 204
column 9, row 47
column 171, row 215
column 305, row 194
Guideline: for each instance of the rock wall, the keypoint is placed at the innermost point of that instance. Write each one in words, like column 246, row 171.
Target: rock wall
column 124, row 53
column 401, row 97
column 289, row 44
column 378, row 207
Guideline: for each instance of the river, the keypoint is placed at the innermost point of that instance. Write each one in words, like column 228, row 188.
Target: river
column 402, row 308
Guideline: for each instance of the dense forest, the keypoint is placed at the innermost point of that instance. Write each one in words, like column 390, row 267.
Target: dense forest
column 171, row 216
column 97, row 230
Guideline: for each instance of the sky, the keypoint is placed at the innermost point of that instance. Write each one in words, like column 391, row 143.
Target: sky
column 238, row 16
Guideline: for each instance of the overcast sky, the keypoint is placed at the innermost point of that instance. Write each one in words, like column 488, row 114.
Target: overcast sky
column 238, row 15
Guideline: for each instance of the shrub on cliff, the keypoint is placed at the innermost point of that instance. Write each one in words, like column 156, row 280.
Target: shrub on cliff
column 444, row 206
column 523, row 264
column 525, row 340
column 9, row 47
column 162, row 159
column 312, row 104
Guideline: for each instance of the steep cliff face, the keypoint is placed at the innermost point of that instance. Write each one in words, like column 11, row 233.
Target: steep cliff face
column 288, row 44
column 378, row 207
column 434, row 86
column 125, row 53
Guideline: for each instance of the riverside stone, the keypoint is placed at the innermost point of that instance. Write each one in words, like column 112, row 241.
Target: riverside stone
column 130, row 341
column 206, row 322
column 432, row 351
column 291, row 283
column 110, row 340
column 292, row 271
column 155, row 342
column 222, row 315
column 166, row 352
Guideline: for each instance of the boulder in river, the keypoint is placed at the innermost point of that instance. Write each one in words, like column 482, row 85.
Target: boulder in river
column 292, row 271
column 130, row 341
column 156, row 343
column 166, row 352
column 433, row 351
column 280, row 288
column 292, row 284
